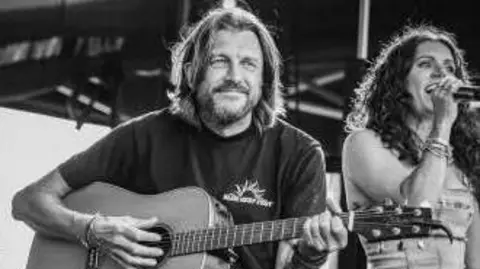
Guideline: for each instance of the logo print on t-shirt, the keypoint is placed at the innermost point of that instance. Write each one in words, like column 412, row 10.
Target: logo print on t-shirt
column 248, row 193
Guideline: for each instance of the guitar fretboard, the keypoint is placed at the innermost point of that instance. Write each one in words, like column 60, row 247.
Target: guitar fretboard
column 387, row 223
column 237, row 235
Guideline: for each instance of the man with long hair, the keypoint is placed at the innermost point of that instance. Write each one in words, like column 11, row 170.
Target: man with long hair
column 412, row 142
column 222, row 133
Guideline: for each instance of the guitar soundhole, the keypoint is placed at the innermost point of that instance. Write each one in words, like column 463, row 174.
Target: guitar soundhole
column 165, row 244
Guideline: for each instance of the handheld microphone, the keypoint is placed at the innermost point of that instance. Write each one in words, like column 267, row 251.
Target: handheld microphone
column 467, row 93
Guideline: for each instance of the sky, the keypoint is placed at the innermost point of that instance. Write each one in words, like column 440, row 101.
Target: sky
column 30, row 146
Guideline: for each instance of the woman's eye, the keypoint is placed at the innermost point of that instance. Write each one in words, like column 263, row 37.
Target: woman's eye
column 450, row 69
column 424, row 64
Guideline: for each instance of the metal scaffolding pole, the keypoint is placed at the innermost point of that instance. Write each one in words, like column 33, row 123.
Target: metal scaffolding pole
column 363, row 27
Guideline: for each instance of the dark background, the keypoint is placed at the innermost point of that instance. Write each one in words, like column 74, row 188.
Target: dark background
column 318, row 41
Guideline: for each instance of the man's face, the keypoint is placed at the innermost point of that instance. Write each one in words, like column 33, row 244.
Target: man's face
column 232, row 83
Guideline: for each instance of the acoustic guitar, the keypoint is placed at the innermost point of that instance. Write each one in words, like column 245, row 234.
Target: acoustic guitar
column 189, row 226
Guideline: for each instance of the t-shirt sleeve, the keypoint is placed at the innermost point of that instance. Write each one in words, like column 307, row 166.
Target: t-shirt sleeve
column 306, row 192
column 109, row 160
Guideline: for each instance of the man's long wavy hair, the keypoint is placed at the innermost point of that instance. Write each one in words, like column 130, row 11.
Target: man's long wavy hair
column 194, row 50
column 382, row 102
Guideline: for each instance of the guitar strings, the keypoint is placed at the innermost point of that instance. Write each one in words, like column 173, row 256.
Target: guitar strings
column 193, row 236
column 269, row 225
column 255, row 230
column 183, row 240
column 192, row 244
column 358, row 216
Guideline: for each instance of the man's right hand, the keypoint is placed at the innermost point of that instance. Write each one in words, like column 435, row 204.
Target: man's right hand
column 120, row 237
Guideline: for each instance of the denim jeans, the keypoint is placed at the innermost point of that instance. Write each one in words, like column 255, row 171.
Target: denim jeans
column 455, row 209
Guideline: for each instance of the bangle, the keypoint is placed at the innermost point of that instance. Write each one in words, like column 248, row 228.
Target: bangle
column 439, row 148
column 300, row 260
column 440, row 141
column 89, row 240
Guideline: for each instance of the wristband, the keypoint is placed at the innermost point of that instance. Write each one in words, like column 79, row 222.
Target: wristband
column 300, row 260
column 439, row 147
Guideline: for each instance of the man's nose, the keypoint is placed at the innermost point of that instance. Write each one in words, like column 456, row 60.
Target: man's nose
column 234, row 72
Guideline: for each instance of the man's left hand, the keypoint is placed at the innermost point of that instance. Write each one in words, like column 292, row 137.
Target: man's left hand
column 325, row 232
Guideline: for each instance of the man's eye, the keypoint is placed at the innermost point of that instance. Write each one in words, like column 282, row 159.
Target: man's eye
column 250, row 65
column 218, row 62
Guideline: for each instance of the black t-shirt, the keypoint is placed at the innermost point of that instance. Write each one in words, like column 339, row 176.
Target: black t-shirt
column 276, row 174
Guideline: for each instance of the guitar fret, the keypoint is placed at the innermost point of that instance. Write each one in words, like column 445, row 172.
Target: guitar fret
column 179, row 243
column 182, row 244
column 200, row 240
column 272, row 230
column 187, row 242
column 234, row 235
column 195, row 248
column 261, row 231
column 174, row 245
column 251, row 233
column 294, row 227
column 278, row 231
column 204, row 240
column 178, row 239
column 211, row 238
column 243, row 235
column 283, row 228
column 219, row 237
column 190, row 241
column 226, row 238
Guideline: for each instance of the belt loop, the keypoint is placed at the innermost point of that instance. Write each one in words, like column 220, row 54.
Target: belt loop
column 400, row 246
column 381, row 247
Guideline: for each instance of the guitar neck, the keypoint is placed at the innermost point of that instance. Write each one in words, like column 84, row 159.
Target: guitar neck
column 239, row 235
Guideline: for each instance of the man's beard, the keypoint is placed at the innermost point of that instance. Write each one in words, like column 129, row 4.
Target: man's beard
column 220, row 114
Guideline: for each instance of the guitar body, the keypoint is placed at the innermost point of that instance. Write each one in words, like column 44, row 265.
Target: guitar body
column 180, row 210
column 192, row 222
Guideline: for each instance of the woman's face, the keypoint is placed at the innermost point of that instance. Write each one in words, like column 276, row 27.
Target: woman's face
column 432, row 62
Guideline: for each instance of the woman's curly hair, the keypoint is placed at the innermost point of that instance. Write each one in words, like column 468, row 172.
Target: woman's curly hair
column 382, row 102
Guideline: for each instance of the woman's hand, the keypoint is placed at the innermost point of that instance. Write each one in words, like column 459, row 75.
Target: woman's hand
column 444, row 105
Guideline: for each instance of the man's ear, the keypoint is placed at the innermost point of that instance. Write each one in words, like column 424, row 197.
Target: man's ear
column 189, row 74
